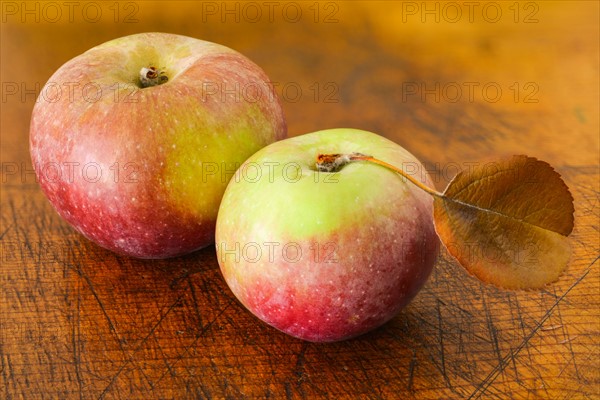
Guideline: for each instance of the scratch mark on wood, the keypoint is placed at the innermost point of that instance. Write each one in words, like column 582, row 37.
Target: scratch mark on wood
column 512, row 307
column 411, row 370
column 111, row 325
column 195, row 302
column 75, row 335
column 565, row 333
column 6, row 230
column 200, row 334
column 491, row 327
column 167, row 365
column 142, row 343
column 6, row 372
column 522, row 324
column 483, row 386
column 440, row 329
column 299, row 368
column 288, row 391
column 568, row 340
column 551, row 328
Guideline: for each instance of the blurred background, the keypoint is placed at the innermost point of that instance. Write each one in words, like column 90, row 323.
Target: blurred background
column 430, row 75
column 452, row 82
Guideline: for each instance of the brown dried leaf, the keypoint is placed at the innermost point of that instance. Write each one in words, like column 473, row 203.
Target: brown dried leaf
column 507, row 222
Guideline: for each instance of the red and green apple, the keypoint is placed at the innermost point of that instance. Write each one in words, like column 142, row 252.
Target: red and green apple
column 135, row 140
column 326, row 256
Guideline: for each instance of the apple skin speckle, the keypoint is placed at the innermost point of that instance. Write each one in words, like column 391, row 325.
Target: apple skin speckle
column 360, row 261
column 123, row 164
column 340, row 301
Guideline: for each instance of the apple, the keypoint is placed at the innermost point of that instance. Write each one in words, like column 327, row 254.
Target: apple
column 134, row 141
column 326, row 256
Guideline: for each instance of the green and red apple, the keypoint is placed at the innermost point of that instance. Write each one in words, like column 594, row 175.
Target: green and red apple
column 135, row 140
column 326, row 256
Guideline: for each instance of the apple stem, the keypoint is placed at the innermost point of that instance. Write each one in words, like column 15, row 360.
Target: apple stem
column 333, row 162
column 152, row 76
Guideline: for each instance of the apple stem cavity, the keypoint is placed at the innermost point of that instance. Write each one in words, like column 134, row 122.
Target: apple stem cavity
column 152, row 76
column 334, row 162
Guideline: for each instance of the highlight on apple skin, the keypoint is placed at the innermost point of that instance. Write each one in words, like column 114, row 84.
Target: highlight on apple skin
column 326, row 256
column 134, row 141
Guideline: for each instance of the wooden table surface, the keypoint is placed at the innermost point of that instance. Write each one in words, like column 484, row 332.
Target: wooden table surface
column 499, row 78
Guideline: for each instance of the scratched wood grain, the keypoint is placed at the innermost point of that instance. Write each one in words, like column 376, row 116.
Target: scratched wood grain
column 77, row 321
